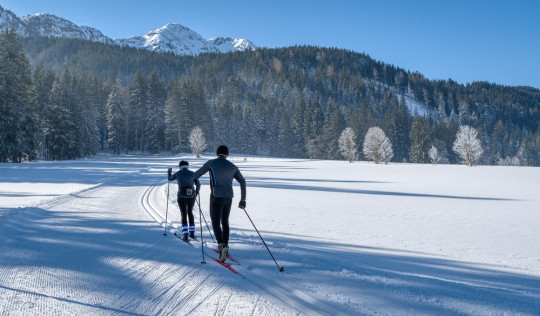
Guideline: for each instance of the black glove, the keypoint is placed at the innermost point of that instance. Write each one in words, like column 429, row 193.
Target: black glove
column 169, row 171
column 242, row 204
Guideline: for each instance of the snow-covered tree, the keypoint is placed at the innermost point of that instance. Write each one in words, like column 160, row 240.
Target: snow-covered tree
column 419, row 136
column 136, row 113
column 116, row 120
column 89, row 112
column 154, row 123
column 18, row 125
column 434, row 155
column 467, row 145
column 313, row 122
column 347, row 144
column 61, row 115
column 377, row 146
column 197, row 141
column 334, row 123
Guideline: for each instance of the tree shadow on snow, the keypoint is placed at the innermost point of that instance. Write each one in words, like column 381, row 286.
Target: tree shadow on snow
column 89, row 263
column 280, row 183
column 369, row 280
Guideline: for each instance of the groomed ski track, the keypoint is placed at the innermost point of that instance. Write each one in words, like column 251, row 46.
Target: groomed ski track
column 267, row 280
column 95, row 252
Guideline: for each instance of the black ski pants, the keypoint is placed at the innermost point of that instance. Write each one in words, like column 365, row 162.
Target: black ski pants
column 186, row 210
column 220, row 208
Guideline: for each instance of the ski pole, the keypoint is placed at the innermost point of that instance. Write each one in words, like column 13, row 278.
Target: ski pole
column 208, row 227
column 166, row 209
column 281, row 269
column 202, row 241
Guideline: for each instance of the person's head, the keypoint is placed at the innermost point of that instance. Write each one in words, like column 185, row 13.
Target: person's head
column 222, row 150
column 183, row 164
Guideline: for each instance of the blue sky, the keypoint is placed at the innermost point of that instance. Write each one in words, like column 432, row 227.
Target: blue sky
column 474, row 40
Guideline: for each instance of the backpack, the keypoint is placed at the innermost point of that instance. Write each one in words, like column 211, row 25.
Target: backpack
column 185, row 184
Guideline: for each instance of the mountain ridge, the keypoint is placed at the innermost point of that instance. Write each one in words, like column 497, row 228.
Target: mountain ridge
column 171, row 38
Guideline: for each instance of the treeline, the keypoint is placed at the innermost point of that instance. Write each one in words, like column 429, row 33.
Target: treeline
column 290, row 102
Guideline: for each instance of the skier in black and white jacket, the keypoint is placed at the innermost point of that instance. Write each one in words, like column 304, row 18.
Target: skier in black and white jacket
column 222, row 173
column 186, row 196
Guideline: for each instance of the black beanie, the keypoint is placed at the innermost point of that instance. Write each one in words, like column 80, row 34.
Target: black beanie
column 183, row 163
column 222, row 150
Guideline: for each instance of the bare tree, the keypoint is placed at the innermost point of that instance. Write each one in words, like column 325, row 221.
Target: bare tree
column 347, row 144
column 197, row 142
column 377, row 146
column 434, row 155
column 467, row 145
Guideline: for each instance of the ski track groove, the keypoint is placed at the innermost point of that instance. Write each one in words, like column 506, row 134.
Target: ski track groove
column 168, row 288
column 293, row 298
column 61, row 290
column 35, row 287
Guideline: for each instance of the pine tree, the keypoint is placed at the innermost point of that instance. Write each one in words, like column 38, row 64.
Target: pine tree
column 61, row 121
column 18, row 124
column 313, row 123
column 297, row 145
column 420, row 140
column 200, row 110
column 285, row 137
column 397, row 124
column 136, row 113
column 334, row 123
column 90, row 112
column 154, row 127
column 176, row 117
column 43, row 82
column 116, row 120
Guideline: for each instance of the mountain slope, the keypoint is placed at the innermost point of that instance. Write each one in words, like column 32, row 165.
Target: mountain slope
column 174, row 38
column 171, row 38
column 10, row 20
column 229, row 44
column 53, row 26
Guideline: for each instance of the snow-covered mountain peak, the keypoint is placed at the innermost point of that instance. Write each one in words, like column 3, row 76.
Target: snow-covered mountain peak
column 8, row 19
column 44, row 24
column 171, row 38
column 181, row 40
column 178, row 39
column 229, row 44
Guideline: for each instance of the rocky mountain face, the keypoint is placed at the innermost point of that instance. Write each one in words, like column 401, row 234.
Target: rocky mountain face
column 171, row 38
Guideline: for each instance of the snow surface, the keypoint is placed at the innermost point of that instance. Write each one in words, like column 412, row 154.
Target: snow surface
column 86, row 237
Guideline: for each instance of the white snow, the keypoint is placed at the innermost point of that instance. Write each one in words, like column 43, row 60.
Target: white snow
column 86, row 237
column 171, row 38
column 229, row 44
column 181, row 40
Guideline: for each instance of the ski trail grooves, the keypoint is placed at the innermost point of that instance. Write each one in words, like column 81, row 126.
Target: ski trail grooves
column 147, row 206
column 294, row 298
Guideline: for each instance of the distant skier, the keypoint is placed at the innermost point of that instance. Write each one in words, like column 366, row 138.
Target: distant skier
column 186, row 196
column 222, row 172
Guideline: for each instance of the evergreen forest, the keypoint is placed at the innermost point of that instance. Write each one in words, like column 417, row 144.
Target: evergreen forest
column 65, row 99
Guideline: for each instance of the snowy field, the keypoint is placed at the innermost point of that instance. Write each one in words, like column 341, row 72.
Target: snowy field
column 85, row 237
